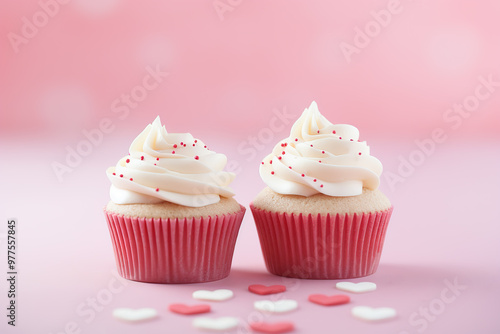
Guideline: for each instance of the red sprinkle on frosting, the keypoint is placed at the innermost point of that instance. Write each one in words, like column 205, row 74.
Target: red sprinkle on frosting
column 334, row 132
column 303, row 175
column 157, row 189
column 272, row 172
column 114, row 173
column 127, row 161
column 196, row 157
column 321, row 185
column 142, row 158
column 175, row 145
column 121, row 175
column 131, row 179
column 315, row 180
column 359, row 153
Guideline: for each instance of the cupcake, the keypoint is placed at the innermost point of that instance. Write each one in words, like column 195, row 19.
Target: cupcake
column 172, row 216
column 321, row 215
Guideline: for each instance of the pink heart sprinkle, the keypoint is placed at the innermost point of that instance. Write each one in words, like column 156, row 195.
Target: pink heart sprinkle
column 188, row 310
column 266, row 290
column 272, row 328
column 329, row 300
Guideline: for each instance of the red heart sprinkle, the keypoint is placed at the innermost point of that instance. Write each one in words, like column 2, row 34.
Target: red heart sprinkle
column 272, row 328
column 266, row 290
column 187, row 310
column 329, row 300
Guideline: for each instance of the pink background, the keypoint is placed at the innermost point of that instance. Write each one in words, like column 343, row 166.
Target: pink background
column 228, row 79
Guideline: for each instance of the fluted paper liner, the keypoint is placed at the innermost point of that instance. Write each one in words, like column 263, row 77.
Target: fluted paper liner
column 177, row 250
column 332, row 246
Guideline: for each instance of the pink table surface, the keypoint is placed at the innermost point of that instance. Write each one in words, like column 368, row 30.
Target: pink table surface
column 444, row 228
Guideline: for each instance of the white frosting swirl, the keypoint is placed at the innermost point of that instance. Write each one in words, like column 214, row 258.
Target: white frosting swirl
column 172, row 167
column 321, row 157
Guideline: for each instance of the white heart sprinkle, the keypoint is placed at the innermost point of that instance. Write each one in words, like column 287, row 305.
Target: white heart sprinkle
column 356, row 287
column 216, row 295
column 280, row 306
column 373, row 314
column 129, row 314
column 219, row 324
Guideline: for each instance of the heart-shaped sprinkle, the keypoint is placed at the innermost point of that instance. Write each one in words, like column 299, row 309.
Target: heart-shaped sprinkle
column 133, row 315
column 329, row 300
column 373, row 314
column 188, row 310
column 219, row 324
column 266, row 290
column 216, row 295
column 281, row 306
column 272, row 328
column 356, row 287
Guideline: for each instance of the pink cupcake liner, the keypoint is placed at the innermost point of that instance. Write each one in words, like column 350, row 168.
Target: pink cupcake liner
column 186, row 250
column 321, row 246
